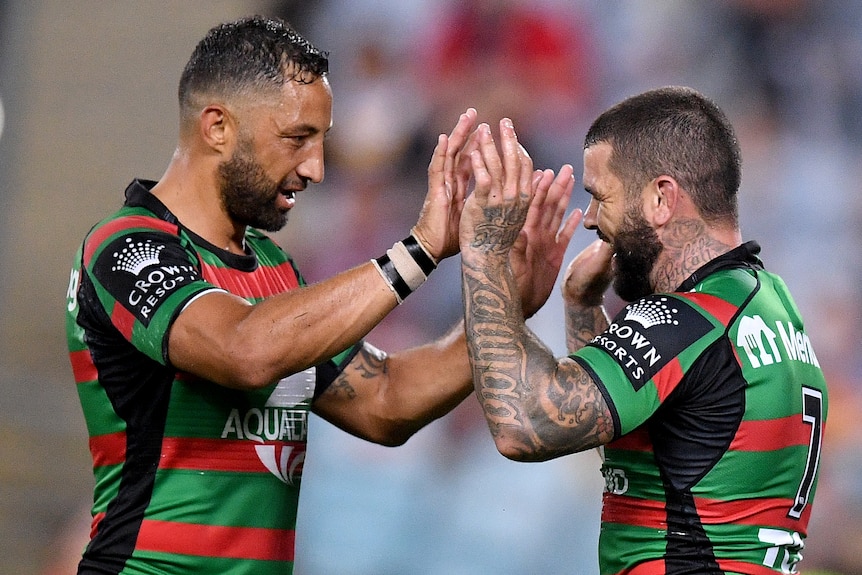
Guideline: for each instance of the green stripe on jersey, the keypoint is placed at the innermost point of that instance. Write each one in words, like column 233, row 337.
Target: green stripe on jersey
column 101, row 417
column 175, row 563
column 184, row 493
column 626, row 545
column 756, row 474
column 107, row 485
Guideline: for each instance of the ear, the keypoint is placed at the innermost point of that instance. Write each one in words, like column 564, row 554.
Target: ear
column 217, row 128
column 662, row 199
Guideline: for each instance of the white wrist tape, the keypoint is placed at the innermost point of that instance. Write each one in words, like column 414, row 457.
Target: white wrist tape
column 405, row 266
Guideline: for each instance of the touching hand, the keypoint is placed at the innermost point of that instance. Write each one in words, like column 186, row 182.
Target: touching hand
column 497, row 209
column 437, row 227
column 588, row 275
column 538, row 252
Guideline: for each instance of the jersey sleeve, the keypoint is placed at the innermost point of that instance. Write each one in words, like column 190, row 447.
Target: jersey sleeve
column 143, row 275
column 643, row 355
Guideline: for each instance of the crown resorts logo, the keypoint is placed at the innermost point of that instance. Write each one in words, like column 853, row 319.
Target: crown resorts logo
column 140, row 271
column 649, row 313
column 137, row 256
column 640, row 339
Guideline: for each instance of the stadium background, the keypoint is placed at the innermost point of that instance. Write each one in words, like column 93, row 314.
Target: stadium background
column 88, row 102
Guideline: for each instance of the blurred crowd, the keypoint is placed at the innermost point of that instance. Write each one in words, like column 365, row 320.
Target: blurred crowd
column 787, row 72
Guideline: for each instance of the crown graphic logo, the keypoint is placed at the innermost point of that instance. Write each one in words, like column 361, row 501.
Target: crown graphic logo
column 651, row 313
column 137, row 256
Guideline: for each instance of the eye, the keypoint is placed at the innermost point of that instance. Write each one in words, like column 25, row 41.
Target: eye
column 295, row 141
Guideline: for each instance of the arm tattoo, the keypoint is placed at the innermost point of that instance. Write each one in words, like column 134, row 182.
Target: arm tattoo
column 546, row 409
column 583, row 324
column 370, row 362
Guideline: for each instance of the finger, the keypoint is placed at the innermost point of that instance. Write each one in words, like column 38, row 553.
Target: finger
column 462, row 164
column 481, row 175
column 462, row 129
column 436, row 175
column 490, row 157
column 537, row 216
column 544, row 179
column 565, row 234
column 525, row 175
column 512, row 160
column 539, row 187
column 560, row 193
column 463, row 168
column 457, row 139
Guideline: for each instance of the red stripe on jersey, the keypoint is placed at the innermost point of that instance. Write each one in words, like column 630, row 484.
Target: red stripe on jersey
column 216, row 454
column 748, row 568
column 255, row 543
column 668, row 378
column 94, row 526
column 637, row 440
column 633, row 511
column 772, row 512
column 108, row 449
column 102, row 233
column 123, row 320
column 263, row 282
column 83, row 367
column 656, row 567
column 651, row 514
column 721, row 309
column 771, row 434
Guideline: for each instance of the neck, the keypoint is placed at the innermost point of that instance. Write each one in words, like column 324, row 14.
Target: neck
column 688, row 244
column 193, row 197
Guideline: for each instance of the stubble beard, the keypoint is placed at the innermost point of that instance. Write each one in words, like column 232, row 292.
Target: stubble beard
column 248, row 194
column 636, row 250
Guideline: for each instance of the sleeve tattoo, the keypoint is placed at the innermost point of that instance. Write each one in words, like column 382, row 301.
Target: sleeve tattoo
column 548, row 408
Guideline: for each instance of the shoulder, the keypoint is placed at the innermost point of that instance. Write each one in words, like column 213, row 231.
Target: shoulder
column 127, row 222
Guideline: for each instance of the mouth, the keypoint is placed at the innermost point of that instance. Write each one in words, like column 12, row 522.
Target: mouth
column 286, row 199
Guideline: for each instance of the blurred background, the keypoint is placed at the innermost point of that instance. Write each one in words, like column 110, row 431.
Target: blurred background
column 88, row 102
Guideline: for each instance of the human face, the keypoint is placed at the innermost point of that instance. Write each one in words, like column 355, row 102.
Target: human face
column 278, row 151
column 618, row 219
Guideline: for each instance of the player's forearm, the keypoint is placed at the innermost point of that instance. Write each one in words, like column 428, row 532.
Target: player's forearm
column 387, row 398
column 224, row 339
column 497, row 340
column 428, row 381
column 537, row 407
column 307, row 326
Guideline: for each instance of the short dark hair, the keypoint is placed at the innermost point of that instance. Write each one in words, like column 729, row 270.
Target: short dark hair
column 255, row 54
column 679, row 132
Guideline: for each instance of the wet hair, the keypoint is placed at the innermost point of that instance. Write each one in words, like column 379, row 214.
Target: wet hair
column 678, row 132
column 252, row 56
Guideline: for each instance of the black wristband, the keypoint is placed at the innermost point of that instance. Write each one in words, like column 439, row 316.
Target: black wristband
column 417, row 252
column 402, row 290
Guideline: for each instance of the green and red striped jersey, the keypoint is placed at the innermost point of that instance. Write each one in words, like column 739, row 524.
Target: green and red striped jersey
column 719, row 406
column 190, row 477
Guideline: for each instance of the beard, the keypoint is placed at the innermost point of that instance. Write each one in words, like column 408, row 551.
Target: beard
column 636, row 249
column 248, row 194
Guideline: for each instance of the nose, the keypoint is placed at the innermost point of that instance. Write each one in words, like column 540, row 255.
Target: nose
column 591, row 215
column 311, row 167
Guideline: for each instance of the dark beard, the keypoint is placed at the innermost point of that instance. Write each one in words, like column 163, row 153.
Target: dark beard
column 636, row 249
column 248, row 194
